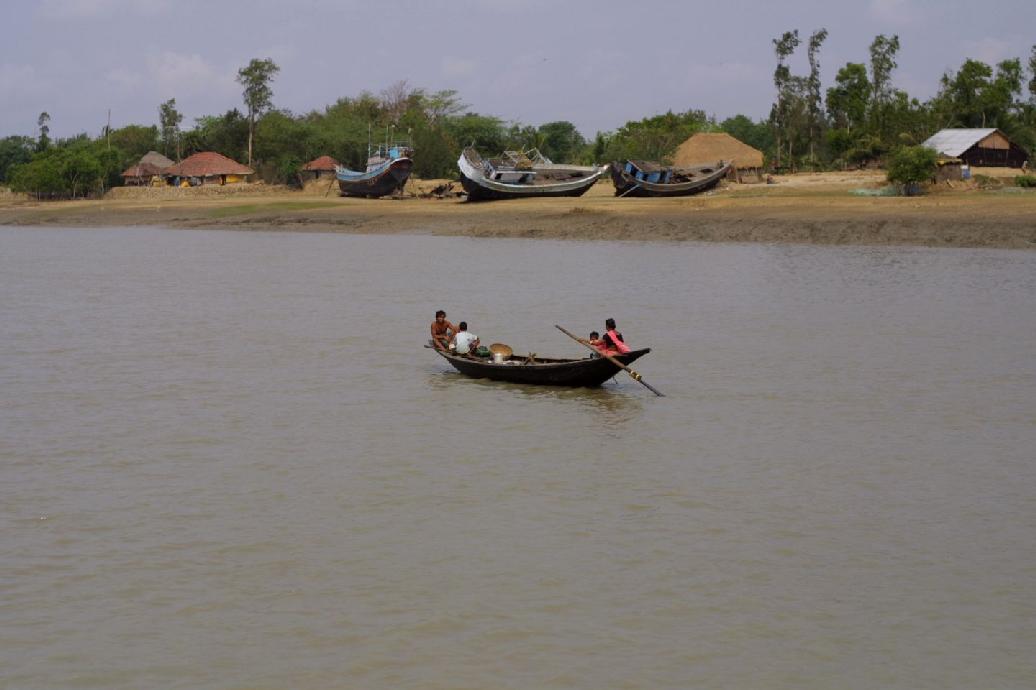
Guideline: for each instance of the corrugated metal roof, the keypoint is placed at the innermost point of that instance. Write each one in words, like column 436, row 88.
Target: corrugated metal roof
column 954, row 142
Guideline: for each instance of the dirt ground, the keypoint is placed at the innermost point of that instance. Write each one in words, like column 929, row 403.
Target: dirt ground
column 823, row 208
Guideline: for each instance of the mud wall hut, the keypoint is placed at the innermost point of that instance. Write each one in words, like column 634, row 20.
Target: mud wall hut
column 207, row 167
column 324, row 166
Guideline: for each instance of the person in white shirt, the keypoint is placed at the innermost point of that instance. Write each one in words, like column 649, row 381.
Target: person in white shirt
column 464, row 342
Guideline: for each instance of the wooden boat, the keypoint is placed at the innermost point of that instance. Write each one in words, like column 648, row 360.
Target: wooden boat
column 523, row 174
column 645, row 178
column 387, row 171
column 542, row 371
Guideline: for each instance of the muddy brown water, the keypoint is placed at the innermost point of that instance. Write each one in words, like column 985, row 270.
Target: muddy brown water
column 226, row 461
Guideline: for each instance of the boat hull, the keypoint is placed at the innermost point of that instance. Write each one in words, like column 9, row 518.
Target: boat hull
column 378, row 183
column 574, row 373
column 479, row 192
column 560, row 180
column 628, row 185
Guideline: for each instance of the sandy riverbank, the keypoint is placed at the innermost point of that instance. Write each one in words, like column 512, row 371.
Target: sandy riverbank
column 804, row 208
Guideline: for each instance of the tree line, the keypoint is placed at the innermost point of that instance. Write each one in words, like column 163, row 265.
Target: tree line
column 861, row 117
column 864, row 117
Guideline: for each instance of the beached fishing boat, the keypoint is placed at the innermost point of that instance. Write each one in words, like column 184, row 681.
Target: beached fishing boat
column 542, row 371
column 520, row 174
column 387, row 171
column 645, row 178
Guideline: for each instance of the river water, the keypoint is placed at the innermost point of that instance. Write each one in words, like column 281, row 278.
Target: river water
column 226, row 461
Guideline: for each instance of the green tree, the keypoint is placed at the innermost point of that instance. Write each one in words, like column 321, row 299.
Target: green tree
column 911, row 165
column 654, row 138
column 783, row 46
column 1032, row 73
column 883, row 52
column 562, row 142
column 442, row 105
column 169, row 119
column 73, row 168
column 756, row 134
column 43, row 122
column 83, row 173
column 283, row 144
column 256, row 78
column 133, row 141
column 816, row 113
column 40, row 177
column 848, row 99
column 436, row 150
column 483, row 131
column 226, row 134
column 14, row 151
column 975, row 96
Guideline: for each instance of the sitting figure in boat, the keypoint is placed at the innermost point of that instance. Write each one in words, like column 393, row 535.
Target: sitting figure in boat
column 442, row 331
column 464, row 342
column 595, row 342
column 612, row 340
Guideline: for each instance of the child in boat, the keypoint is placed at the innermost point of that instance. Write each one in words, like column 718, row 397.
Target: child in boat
column 595, row 342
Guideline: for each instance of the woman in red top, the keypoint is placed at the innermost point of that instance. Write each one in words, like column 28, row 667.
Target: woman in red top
column 612, row 339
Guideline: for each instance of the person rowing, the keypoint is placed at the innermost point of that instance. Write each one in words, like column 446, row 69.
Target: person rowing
column 613, row 343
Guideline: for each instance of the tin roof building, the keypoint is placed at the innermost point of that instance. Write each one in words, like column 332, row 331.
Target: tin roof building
column 978, row 147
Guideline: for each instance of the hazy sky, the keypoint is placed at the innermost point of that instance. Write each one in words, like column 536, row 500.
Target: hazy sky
column 596, row 63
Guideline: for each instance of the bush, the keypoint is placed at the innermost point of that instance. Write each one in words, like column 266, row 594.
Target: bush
column 912, row 165
column 1025, row 181
column 987, row 182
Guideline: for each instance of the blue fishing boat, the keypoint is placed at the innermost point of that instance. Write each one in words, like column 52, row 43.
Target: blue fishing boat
column 387, row 171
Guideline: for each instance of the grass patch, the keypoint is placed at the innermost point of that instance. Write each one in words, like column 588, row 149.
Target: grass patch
column 246, row 209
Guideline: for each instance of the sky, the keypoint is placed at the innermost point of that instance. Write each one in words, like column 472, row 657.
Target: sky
column 596, row 63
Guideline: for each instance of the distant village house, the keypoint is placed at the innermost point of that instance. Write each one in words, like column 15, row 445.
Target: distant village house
column 319, row 167
column 147, row 171
column 984, row 148
column 207, row 167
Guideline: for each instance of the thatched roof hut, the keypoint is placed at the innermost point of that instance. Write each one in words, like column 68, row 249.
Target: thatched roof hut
column 710, row 147
column 209, row 166
column 150, row 164
column 156, row 159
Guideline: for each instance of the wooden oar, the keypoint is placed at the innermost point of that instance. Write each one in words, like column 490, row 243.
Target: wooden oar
column 634, row 375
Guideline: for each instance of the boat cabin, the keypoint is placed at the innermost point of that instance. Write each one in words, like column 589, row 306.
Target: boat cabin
column 645, row 171
column 509, row 176
column 387, row 153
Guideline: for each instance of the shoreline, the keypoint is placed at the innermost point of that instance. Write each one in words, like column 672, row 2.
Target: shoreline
column 813, row 209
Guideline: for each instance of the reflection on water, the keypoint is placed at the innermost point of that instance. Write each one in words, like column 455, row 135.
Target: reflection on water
column 227, row 461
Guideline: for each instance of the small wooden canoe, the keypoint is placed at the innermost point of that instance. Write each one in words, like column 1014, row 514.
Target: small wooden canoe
column 543, row 371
